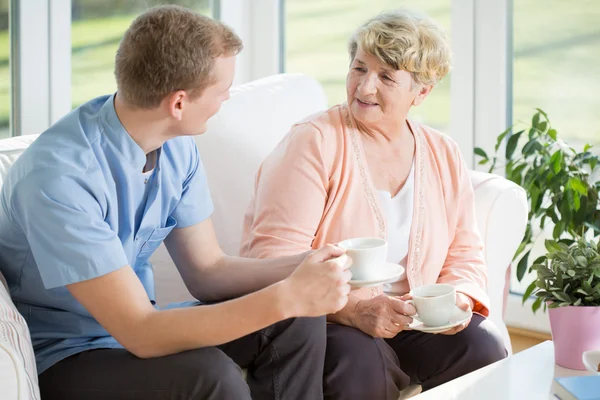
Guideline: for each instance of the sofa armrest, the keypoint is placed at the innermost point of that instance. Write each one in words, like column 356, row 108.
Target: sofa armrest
column 502, row 209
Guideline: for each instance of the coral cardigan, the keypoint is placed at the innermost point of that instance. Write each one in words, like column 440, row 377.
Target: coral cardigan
column 315, row 188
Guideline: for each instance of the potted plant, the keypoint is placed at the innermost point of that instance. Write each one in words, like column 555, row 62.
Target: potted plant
column 562, row 186
column 568, row 282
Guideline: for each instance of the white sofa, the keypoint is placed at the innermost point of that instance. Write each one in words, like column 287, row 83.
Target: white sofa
column 240, row 136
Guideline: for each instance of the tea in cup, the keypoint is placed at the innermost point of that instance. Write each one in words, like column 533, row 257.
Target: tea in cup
column 434, row 303
column 368, row 255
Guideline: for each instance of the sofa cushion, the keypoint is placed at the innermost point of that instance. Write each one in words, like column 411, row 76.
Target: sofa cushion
column 16, row 352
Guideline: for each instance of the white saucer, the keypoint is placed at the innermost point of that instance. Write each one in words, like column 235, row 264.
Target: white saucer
column 458, row 317
column 392, row 272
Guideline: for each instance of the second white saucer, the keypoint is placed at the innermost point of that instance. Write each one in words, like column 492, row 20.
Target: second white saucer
column 391, row 272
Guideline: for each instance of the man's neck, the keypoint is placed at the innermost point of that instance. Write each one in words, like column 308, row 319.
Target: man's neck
column 147, row 127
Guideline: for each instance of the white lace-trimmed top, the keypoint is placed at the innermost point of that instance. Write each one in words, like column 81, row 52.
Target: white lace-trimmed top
column 398, row 213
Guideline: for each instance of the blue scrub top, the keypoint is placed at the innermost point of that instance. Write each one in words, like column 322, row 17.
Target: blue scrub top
column 76, row 206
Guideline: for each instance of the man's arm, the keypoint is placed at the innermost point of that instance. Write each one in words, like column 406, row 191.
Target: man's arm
column 120, row 304
column 210, row 275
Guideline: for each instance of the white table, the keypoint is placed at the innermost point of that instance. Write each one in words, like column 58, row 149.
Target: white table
column 525, row 375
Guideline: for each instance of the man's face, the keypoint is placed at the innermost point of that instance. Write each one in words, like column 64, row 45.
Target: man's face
column 199, row 110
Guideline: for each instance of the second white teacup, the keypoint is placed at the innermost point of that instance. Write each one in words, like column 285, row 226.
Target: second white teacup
column 368, row 255
column 434, row 303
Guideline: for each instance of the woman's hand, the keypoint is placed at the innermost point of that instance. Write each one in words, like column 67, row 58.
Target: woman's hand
column 464, row 302
column 382, row 316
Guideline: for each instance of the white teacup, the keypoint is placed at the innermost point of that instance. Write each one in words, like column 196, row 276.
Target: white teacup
column 368, row 256
column 434, row 303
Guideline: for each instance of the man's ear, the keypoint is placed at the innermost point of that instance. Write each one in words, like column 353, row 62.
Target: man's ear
column 175, row 103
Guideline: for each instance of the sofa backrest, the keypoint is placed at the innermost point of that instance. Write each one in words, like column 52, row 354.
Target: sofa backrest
column 10, row 150
column 240, row 137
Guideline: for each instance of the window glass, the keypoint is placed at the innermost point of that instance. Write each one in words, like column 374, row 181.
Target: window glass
column 96, row 30
column 556, row 68
column 5, row 83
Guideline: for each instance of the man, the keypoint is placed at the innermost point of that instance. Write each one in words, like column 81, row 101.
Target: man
column 85, row 206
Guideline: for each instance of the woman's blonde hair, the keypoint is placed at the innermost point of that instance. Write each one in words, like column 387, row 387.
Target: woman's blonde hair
column 170, row 48
column 405, row 41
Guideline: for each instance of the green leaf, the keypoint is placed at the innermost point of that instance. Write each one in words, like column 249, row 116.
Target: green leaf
column 532, row 133
column 581, row 260
column 540, row 260
column 501, row 138
column 558, row 229
column 536, row 304
column 552, row 246
column 522, row 266
column 542, row 112
column 556, row 161
column 587, row 147
column 571, row 273
column 552, row 133
column 574, row 202
column 480, row 152
column 528, row 292
column 535, row 120
column 483, row 162
column 542, row 126
column 533, row 146
column 512, row 145
column 577, row 185
column 562, row 296
column 578, row 302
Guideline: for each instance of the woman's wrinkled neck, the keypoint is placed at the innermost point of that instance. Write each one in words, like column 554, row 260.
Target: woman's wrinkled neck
column 384, row 130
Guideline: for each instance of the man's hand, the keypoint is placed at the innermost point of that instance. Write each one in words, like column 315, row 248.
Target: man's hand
column 319, row 285
column 383, row 316
column 465, row 303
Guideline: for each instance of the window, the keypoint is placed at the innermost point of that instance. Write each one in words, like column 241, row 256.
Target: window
column 5, row 82
column 556, row 56
column 557, row 70
column 316, row 37
column 96, row 30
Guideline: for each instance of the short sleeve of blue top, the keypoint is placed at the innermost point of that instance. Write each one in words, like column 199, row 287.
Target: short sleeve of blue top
column 76, row 205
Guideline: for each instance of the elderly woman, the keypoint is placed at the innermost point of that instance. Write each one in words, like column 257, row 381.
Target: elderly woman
column 365, row 169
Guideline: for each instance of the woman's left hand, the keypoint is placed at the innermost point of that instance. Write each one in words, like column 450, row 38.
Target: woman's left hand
column 464, row 302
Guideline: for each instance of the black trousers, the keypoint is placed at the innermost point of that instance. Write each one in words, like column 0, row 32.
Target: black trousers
column 284, row 361
column 358, row 366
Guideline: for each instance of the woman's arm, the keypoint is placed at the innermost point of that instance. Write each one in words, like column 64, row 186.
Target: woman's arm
column 291, row 193
column 464, row 266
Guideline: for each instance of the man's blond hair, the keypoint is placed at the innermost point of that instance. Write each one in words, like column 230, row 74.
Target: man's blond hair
column 170, row 48
column 405, row 41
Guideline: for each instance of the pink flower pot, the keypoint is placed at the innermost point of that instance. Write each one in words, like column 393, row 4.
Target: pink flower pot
column 574, row 330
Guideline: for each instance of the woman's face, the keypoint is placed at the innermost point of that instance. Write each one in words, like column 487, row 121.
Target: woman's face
column 378, row 94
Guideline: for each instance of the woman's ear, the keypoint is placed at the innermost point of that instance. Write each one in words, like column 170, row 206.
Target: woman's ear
column 423, row 92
